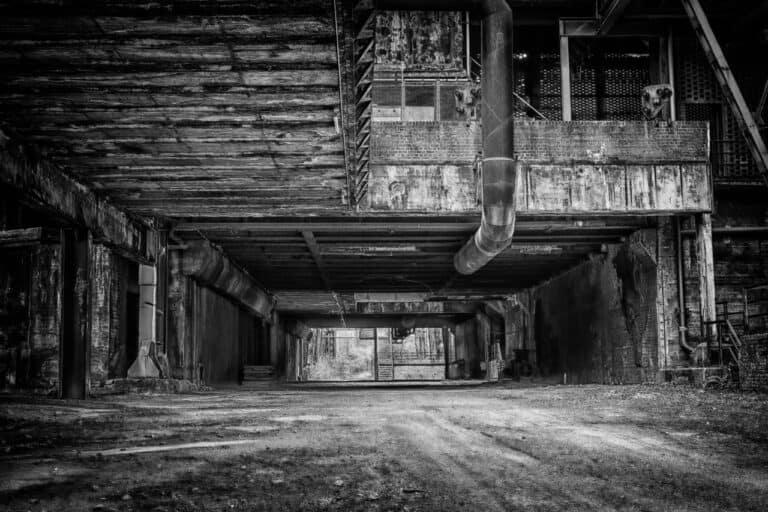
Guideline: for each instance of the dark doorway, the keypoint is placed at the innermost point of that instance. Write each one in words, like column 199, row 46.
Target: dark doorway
column 263, row 352
column 74, row 312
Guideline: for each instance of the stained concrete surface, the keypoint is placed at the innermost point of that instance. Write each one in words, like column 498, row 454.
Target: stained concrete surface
column 435, row 448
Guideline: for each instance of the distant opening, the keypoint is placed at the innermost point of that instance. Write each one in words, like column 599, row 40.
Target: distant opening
column 380, row 354
column 125, row 347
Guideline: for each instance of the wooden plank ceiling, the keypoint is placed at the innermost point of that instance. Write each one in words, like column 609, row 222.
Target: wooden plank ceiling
column 219, row 117
column 180, row 108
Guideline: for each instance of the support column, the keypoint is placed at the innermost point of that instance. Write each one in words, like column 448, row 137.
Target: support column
column 706, row 269
column 75, row 331
column 145, row 366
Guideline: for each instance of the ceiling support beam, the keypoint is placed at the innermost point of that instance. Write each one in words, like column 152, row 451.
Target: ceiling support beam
column 433, row 320
column 46, row 186
column 314, row 249
column 212, row 268
column 611, row 15
column 730, row 87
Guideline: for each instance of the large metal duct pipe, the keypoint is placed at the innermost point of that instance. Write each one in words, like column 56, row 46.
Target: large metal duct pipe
column 499, row 167
column 203, row 262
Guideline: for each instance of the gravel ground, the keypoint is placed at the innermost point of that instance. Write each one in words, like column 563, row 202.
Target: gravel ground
column 505, row 447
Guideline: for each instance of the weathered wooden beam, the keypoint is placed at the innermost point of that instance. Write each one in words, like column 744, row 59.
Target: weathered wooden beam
column 611, row 15
column 261, row 99
column 172, row 53
column 171, row 79
column 730, row 87
column 245, row 28
column 27, row 236
column 162, row 7
column 396, row 320
column 362, row 225
column 116, row 117
column 148, row 162
column 50, row 188
column 211, row 267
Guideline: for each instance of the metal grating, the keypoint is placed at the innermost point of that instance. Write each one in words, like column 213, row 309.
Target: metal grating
column 420, row 95
column 448, row 110
column 701, row 100
column 696, row 83
column 607, row 86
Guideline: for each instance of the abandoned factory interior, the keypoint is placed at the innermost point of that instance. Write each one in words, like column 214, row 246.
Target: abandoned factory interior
column 383, row 255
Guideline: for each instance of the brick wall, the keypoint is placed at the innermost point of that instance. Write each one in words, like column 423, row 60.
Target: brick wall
column 429, row 142
column 753, row 367
column 607, row 142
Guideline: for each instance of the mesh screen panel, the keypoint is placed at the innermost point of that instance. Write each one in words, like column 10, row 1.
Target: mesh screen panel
column 387, row 94
column 419, row 95
column 448, row 102
column 702, row 100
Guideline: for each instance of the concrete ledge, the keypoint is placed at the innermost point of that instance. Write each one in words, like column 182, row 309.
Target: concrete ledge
column 146, row 387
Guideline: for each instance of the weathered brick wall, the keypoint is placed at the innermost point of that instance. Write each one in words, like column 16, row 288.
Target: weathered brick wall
column 741, row 258
column 597, row 322
column 544, row 142
column 428, row 142
column 753, row 367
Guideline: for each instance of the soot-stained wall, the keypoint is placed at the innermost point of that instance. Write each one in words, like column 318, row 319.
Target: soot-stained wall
column 206, row 331
column 29, row 318
column 597, row 322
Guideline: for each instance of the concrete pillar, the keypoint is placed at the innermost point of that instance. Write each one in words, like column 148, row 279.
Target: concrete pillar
column 75, row 317
column 145, row 366
column 706, row 267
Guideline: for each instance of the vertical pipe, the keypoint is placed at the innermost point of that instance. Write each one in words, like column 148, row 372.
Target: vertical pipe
column 565, row 75
column 671, row 74
column 681, row 286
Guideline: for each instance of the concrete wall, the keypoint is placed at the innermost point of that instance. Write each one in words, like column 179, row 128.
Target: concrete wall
column 576, row 167
column 597, row 322
column 206, row 331
column 30, row 307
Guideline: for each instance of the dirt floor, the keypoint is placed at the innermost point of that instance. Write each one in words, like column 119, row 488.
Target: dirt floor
column 475, row 448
